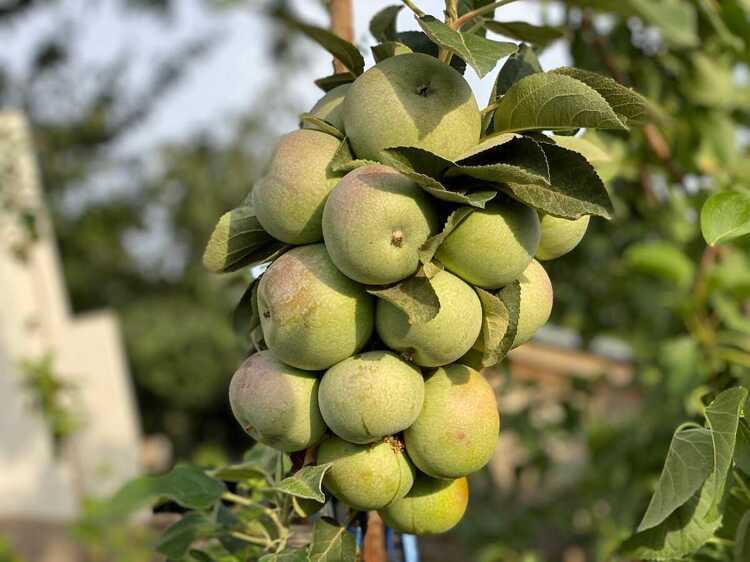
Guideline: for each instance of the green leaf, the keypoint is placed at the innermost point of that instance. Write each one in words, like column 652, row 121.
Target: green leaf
column 553, row 101
column 332, row 543
column 480, row 53
column 328, row 83
column 725, row 217
column 383, row 24
column 682, row 534
column 630, row 106
column 415, row 296
column 722, row 417
column 245, row 317
column 662, row 260
column 290, row 555
column 510, row 296
column 389, row 49
column 176, row 540
column 341, row 49
column 306, row 483
column 239, row 472
column 320, row 124
column 520, row 64
column 430, row 247
column 186, row 485
column 540, row 35
column 575, row 189
column 238, row 240
column 690, row 526
column 688, row 464
column 495, row 321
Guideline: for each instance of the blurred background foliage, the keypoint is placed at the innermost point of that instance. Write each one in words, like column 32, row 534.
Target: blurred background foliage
column 646, row 278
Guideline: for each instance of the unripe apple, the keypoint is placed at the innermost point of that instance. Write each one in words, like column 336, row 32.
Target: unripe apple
column 456, row 431
column 366, row 477
column 432, row 506
column 369, row 396
column 276, row 404
column 374, row 222
column 312, row 315
column 491, row 247
column 560, row 236
column 289, row 198
column 411, row 100
column 443, row 339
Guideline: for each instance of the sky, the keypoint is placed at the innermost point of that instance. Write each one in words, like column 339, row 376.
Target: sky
column 234, row 73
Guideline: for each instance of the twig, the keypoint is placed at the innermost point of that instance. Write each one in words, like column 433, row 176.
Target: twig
column 468, row 16
column 409, row 4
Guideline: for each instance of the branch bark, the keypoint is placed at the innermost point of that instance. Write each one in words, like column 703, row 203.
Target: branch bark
column 342, row 24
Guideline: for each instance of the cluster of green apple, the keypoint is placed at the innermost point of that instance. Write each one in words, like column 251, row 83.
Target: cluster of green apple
column 393, row 403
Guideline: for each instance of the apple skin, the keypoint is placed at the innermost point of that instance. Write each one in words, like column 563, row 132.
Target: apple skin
column 374, row 222
column 289, row 199
column 411, row 100
column 560, row 236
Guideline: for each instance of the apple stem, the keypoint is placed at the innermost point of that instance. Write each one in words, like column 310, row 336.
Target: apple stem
column 468, row 16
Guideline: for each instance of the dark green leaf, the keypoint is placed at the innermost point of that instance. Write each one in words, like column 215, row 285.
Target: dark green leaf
column 332, row 543
column 424, row 167
column 430, row 247
column 328, row 83
column 725, row 217
column 520, row 64
column 383, row 24
column 306, row 483
column 341, row 49
column 520, row 30
column 519, row 161
column 320, row 124
column 575, row 189
column 239, row 472
column 176, row 540
column 418, row 42
column 186, row 485
column 742, row 450
column 510, row 296
column 389, row 49
column 553, row 101
column 238, row 240
column 495, row 321
column 592, row 152
column 630, row 106
column 415, row 296
column 742, row 539
column 688, row 464
column 480, row 53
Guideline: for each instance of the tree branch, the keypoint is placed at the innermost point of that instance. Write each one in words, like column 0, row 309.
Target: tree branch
column 342, row 25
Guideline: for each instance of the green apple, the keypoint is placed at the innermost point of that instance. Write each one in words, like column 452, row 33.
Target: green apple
column 560, row 236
